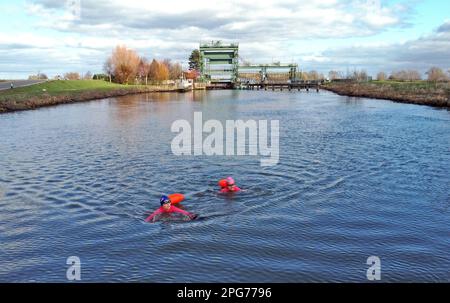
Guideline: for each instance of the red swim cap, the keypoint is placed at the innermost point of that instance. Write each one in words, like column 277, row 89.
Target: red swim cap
column 230, row 181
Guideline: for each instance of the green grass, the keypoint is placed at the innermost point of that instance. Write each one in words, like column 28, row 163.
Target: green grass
column 55, row 88
column 411, row 85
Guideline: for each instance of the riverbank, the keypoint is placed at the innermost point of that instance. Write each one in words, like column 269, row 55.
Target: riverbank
column 61, row 92
column 418, row 92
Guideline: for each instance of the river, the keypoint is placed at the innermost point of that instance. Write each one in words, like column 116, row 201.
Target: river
column 356, row 178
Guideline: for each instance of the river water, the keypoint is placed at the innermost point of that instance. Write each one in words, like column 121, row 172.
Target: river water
column 356, row 178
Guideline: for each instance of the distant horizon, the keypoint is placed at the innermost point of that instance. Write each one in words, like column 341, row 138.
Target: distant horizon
column 56, row 37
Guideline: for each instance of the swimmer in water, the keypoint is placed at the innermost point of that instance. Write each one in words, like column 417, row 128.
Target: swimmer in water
column 168, row 208
column 229, row 186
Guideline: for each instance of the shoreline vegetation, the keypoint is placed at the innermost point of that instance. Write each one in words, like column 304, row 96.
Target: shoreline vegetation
column 435, row 94
column 126, row 72
column 69, row 91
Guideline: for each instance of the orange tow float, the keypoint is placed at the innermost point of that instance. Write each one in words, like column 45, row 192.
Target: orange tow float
column 176, row 198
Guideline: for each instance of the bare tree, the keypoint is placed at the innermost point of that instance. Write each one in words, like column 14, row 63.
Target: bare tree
column 302, row 76
column 144, row 69
column 109, row 68
column 39, row 76
column 333, row 75
column 381, row 76
column 436, row 74
column 125, row 64
column 87, row 76
column 72, row 76
column 398, row 75
column 414, row 75
column 405, row 75
column 175, row 69
column 313, row 75
column 359, row 76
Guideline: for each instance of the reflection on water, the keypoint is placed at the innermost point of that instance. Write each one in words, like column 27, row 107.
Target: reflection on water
column 356, row 178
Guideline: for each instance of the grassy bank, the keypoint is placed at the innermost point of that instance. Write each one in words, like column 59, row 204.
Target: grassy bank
column 417, row 92
column 60, row 92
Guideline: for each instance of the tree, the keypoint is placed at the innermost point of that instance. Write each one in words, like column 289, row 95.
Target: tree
column 108, row 68
column 153, row 70
column 436, row 74
column 414, row 75
column 194, row 60
column 303, row 76
column 72, row 76
column 144, row 69
column 359, row 76
column 101, row 77
column 406, row 75
column 175, row 69
column 39, row 76
column 158, row 71
column 333, row 75
column 124, row 63
column 87, row 76
column 381, row 76
column 313, row 75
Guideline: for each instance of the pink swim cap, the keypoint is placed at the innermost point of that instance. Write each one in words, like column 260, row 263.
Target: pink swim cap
column 230, row 181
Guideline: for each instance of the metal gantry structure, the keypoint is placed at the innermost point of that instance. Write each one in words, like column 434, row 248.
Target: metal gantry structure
column 219, row 65
column 264, row 70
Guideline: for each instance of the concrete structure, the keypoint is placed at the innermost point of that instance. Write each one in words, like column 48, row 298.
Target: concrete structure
column 219, row 63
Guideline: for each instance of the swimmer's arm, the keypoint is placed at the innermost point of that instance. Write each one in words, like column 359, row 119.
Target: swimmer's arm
column 150, row 218
column 177, row 210
column 189, row 216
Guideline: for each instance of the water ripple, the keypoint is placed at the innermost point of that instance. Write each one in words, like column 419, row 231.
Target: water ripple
column 355, row 179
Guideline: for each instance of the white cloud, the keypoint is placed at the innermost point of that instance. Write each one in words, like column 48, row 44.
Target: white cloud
column 266, row 29
column 418, row 54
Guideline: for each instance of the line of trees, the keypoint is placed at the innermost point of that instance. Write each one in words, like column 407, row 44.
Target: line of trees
column 38, row 76
column 311, row 76
column 125, row 66
column 76, row 76
column 434, row 74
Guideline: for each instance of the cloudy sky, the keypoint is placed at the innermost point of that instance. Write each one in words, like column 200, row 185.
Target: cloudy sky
column 56, row 36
